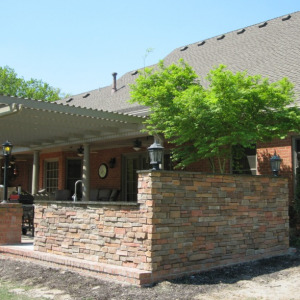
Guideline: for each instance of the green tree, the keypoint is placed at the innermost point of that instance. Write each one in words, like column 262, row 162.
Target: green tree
column 11, row 84
column 206, row 121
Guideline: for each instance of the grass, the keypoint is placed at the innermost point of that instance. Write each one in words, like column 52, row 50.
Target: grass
column 7, row 293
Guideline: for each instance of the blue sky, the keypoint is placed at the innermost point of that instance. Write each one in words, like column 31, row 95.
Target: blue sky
column 76, row 45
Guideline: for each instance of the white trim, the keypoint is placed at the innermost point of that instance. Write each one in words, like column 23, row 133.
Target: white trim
column 71, row 110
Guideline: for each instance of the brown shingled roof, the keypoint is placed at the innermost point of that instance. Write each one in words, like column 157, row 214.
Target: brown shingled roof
column 270, row 48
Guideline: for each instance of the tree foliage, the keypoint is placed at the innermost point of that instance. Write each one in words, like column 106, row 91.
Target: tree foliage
column 11, row 84
column 206, row 121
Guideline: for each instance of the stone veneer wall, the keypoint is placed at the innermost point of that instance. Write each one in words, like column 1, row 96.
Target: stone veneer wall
column 10, row 223
column 204, row 221
column 113, row 233
column 183, row 223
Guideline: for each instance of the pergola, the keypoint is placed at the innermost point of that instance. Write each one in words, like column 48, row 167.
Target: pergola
column 34, row 125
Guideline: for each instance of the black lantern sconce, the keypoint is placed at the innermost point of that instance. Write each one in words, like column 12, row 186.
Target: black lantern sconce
column 80, row 151
column 156, row 152
column 275, row 161
column 112, row 162
column 6, row 148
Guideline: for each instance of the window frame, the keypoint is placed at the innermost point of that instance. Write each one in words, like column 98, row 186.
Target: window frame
column 51, row 187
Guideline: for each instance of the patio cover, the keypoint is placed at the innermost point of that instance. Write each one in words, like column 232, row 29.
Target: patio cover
column 34, row 125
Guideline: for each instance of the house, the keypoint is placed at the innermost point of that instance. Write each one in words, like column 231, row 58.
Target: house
column 167, row 231
column 46, row 136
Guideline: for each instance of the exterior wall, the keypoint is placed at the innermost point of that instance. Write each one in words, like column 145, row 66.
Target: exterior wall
column 24, row 177
column 113, row 180
column 204, row 221
column 183, row 223
column 10, row 223
column 265, row 151
column 284, row 149
column 114, row 234
column 60, row 157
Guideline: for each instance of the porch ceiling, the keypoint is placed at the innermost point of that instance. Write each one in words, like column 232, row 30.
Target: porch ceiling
column 35, row 125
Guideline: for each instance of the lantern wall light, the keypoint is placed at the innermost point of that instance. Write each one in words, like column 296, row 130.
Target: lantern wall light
column 156, row 152
column 275, row 162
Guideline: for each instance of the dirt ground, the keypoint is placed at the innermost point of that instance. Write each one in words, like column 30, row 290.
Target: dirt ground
column 275, row 278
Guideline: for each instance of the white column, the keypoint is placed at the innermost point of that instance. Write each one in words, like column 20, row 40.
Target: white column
column 86, row 173
column 35, row 172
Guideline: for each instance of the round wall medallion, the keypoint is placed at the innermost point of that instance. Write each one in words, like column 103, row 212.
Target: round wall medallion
column 103, row 170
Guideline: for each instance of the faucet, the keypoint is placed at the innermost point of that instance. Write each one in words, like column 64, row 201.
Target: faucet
column 75, row 193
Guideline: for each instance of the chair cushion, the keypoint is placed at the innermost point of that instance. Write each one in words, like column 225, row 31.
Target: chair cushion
column 62, row 195
column 114, row 195
column 104, row 194
column 94, row 194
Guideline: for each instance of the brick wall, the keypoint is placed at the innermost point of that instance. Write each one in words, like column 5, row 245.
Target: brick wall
column 283, row 148
column 24, row 177
column 183, row 223
column 113, row 180
column 10, row 223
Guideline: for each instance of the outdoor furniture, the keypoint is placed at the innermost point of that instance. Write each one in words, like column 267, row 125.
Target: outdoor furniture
column 62, row 195
column 10, row 190
column 104, row 194
column 24, row 198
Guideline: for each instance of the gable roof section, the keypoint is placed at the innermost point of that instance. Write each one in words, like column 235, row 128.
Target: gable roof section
column 270, row 48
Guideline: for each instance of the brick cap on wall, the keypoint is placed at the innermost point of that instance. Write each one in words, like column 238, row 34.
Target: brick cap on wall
column 84, row 204
column 209, row 174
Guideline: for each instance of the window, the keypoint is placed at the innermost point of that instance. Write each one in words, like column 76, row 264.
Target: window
column 51, row 176
column 244, row 160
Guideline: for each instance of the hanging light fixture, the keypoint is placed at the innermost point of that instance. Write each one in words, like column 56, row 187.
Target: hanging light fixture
column 137, row 145
column 80, row 151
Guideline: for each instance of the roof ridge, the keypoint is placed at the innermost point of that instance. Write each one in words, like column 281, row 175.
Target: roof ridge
column 133, row 71
column 236, row 30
